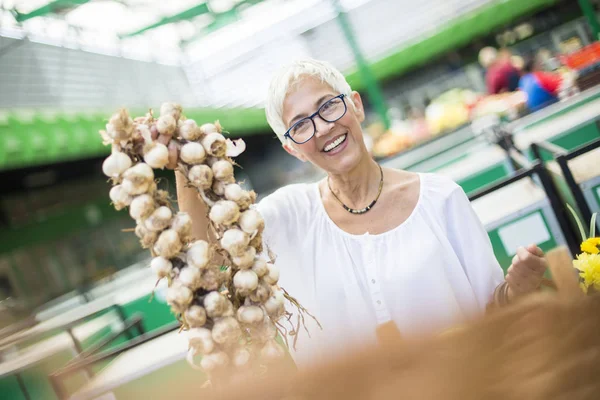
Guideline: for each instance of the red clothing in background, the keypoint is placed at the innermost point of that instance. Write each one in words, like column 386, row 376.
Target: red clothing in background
column 502, row 77
column 549, row 81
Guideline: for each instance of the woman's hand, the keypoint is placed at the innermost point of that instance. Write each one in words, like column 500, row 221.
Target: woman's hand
column 526, row 272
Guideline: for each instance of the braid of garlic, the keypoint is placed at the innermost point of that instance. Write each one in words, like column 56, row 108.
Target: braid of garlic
column 229, row 311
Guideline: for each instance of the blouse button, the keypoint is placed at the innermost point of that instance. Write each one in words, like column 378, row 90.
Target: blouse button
column 378, row 301
column 372, row 280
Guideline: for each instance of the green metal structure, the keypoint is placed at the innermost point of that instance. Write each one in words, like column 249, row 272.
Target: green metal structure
column 372, row 86
column 54, row 7
column 590, row 15
column 40, row 139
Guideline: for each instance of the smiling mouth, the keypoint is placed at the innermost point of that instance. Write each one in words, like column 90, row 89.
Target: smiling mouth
column 335, row 144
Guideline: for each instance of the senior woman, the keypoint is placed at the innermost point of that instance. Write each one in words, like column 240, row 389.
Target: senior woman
column 368, row 245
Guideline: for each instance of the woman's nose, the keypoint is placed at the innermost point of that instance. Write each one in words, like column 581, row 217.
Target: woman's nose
column 322, row 127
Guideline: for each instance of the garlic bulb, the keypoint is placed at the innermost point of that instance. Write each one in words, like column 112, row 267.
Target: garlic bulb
column 200, row 339
column 214, row 143
column 250, row 315
column 201, row 176
column 120, row 126
column 168, row 244
column 156, row 155
column 119, row 197
column 116, row 164
column 212, row 278
column 193, row 153
column 182, row 224
column 147, row 238
column 214, row 361
column 136, row 188
column 256, row 242
column 215, row 304
column 208, row 128
column 172, row 109
column 264, row 331
column 235, row 147
column 159, row 219
column 251, row 221
column 234, row 192
column 271, row 351
column 199, row 254
column 259, row 266
column 140, row 173
column 161, row 267
column 218, row 187
column 190, row 277
column 226, row 331
column 273, row 275
column 195, row 316
column 189, row 130
column 269, row 329
column 223, row 171
column 224, row 212
column 235, row 242
column 141, row 207
column 262, row 293
column 179, row 297
column 241, row 357
column 245, row 281
column 229, row 310
column 275, row 306
column 166, row 125
column 246, row 259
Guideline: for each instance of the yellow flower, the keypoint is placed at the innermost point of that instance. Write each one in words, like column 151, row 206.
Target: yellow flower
column 590, row 246
column 589, row 270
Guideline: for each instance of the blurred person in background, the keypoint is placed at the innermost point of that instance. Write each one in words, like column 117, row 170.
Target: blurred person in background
column 368, row 246
column 540, row 86
column 501, row 75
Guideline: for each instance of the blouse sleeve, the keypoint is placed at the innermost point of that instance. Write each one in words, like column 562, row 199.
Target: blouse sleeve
column 472, row 246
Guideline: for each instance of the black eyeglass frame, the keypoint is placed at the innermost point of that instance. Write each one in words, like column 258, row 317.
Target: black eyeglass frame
column 311, row 118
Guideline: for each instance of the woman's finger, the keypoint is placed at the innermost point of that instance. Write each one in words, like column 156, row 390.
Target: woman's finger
column 535, row 250
column 531, row 261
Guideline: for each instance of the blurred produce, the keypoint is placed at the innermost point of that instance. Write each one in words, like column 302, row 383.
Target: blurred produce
column 584, row 63
column 503, row 104
column 450, row 110
column 445, row 114
column 391, row 143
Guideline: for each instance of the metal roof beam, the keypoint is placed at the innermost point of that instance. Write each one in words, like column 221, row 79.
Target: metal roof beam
column 182, row 16
column 53, row 7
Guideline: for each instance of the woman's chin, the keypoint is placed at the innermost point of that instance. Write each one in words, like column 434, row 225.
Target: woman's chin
column 343, row 162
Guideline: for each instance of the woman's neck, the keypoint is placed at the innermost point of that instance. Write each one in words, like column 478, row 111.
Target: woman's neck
column 359, row 186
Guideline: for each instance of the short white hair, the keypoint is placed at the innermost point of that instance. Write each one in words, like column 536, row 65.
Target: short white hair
column 285, row 79
column 487, row 56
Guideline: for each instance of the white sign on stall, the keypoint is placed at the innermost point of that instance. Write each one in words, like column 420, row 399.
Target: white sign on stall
column 523, row 232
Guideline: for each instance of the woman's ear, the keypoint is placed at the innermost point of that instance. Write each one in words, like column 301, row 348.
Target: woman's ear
column 294, row 152
column 359, row 109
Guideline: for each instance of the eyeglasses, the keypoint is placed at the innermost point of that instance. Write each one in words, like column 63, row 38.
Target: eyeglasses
column 330, row 111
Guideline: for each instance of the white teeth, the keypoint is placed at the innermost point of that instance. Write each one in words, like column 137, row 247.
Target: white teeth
column 335, row 143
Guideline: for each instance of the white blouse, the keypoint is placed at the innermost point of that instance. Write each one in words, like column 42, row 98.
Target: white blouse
column 433, row 271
